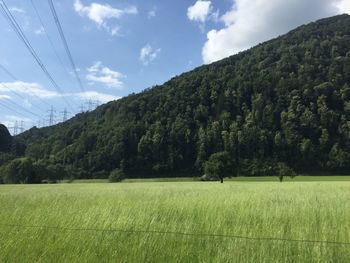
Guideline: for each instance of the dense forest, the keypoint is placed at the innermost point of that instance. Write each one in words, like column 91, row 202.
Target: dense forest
column 5, row 139
column 280, row 107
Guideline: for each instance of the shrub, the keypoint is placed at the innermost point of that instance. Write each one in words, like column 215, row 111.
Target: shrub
column 116, row 175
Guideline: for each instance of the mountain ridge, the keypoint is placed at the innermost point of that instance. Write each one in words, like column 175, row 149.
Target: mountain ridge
column 5, row 139
column 284, row 97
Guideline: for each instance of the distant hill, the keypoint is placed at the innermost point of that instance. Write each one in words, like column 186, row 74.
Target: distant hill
column 5, row 139
column 283, row 101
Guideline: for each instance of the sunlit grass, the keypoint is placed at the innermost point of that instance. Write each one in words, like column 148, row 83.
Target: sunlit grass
column 291, row 210
column 236, row 179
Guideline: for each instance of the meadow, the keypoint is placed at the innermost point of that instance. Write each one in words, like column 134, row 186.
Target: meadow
column 238, row 221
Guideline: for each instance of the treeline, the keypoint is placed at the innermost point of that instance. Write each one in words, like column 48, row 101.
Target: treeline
column 280, row 107
column 25, row 171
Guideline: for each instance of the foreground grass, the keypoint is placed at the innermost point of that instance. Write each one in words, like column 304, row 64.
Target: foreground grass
column 88, row 215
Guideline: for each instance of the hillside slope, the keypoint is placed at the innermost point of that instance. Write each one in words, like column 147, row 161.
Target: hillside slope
column 283, row 101
column 5, row 139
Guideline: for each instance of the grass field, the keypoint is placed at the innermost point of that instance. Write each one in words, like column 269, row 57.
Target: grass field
column 176, row 222
column 235, row 179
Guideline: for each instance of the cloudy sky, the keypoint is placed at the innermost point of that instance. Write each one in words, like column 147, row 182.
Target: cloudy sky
column 123, row 46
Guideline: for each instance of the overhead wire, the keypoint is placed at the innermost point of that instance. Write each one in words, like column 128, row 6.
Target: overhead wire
column 7, row 72
column 8, row 15
column 17, row 105
column 48, row 37
column 18, row 95
column 9, row 108
column 16, row 79
column 181, row 233
column 14, row 110
column 65, row 44
column 22, row 109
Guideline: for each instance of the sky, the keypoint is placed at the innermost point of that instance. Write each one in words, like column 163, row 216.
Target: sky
column 119, row 47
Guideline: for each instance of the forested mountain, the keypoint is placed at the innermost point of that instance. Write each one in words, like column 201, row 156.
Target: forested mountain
column 5, row 139
column 283, row 103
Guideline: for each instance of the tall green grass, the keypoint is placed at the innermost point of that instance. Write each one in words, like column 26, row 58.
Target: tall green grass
column 236, row 179
column 291, row 210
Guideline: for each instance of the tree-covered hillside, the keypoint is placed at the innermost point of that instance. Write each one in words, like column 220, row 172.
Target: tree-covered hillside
column 283, row 103
column 5, row 139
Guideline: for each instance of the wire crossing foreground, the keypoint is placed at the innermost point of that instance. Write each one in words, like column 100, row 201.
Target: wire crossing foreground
column 327, row 242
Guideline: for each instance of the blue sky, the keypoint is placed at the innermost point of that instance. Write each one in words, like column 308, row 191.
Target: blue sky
column 123, row 46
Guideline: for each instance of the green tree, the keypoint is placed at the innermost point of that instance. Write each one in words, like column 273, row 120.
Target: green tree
column 19, row 171
column 218, row 166
column 116, row 175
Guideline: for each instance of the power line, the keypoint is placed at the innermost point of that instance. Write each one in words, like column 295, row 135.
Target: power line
column 21, row 126
column 18, row 126
column 339, row 243
column 19, row 95
column 15, row 128
column 16, row 107
column 82, row 108
column 8, row 15
column 51, row 116
column 90, row 105
column 60, row 30
column 8, row 72
column 9, row 108
column 16, row 79
column 23, row 109
column 48, row 37
column 64, row 115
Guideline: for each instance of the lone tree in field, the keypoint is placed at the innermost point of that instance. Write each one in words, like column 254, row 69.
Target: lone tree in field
column 116, row 175
column 283, row 170
column 218, row 166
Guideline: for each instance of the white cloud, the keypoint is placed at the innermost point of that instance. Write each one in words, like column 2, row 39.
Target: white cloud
column 17, row 10
column 30, row 89
column 101, row 13
column 251, row 22
column 199, row 11
column 148, row 54
column 202, row 11
column 152, row 13
column 34, row 89
column 39, row 31
column 114, row 31
column 104, row 75
column 22, row 18
column 97, row 96
column 344, row 6
column 4, row 97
